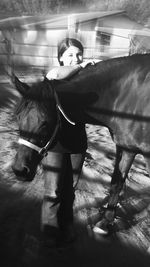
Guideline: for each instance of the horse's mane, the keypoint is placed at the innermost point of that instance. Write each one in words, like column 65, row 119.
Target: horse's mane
column 39, row 92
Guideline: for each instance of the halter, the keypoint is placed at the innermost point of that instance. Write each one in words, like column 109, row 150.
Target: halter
column 42, row 151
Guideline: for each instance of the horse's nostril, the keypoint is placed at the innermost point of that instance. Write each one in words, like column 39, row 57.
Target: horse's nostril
column 23, row 173
column 26, row 170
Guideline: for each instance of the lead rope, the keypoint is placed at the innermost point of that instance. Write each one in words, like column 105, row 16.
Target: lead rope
column 61, row 109
column 65, row 116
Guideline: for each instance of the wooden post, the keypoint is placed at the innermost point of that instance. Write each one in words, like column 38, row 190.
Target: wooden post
column 8, row 39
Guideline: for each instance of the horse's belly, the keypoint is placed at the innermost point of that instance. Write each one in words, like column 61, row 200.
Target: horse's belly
column 133, row 135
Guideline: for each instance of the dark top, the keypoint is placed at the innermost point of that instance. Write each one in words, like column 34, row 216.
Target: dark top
column 71, row 138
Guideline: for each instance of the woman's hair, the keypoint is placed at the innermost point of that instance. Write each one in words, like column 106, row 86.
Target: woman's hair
column 65, row 44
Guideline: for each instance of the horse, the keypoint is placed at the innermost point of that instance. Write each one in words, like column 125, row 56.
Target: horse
column 114, row 93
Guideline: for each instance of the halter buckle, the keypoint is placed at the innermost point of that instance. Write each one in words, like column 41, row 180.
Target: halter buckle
column 43, row 152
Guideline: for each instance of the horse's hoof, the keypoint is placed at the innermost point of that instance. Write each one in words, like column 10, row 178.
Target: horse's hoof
column 98, row 230
column 101, row 228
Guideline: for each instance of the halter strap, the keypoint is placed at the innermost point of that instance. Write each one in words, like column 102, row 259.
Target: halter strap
column 41, row 150
column 24, row 142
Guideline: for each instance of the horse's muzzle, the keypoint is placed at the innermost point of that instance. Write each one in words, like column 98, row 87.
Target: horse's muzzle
column 23, row 173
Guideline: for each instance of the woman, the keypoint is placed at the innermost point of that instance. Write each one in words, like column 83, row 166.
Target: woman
column 64, row 162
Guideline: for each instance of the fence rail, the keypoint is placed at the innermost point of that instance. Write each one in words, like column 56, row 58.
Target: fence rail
column 43, row 56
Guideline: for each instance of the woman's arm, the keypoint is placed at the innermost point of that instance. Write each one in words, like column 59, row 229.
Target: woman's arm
column 62, row 72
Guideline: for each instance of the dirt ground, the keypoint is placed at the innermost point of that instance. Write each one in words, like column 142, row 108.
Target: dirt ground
column 129, row 245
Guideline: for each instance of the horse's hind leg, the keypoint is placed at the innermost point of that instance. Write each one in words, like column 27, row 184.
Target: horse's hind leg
column 146, row 211
column 124, row 160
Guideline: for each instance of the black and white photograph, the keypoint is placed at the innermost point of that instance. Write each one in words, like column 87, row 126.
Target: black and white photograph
column 74, row 133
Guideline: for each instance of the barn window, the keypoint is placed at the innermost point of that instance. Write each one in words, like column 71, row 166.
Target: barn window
column 103, row 38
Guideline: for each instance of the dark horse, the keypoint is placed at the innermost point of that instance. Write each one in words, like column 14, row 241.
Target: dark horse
column 114, row 93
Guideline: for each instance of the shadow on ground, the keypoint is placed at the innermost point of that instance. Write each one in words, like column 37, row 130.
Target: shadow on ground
column 20, row 244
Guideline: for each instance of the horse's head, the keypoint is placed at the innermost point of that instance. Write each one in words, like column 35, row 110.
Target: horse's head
column 37, row 118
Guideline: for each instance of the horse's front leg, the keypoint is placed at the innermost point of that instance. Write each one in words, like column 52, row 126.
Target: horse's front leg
column 124, row 160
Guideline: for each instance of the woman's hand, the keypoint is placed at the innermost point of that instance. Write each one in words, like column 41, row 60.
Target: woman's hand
column 88, row 62
column 52, row 74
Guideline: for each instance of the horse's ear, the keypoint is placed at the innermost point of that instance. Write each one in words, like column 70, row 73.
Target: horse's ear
column 20, row 86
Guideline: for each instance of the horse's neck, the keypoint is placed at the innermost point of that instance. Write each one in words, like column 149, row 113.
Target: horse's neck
column 83, row 99
column 93, row 92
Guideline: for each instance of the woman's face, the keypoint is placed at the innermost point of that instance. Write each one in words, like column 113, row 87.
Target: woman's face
column 72, row 56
